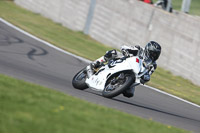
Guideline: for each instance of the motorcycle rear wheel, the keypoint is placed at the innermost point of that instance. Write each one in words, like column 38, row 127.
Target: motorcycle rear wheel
column 113, row 90
column 78, row 81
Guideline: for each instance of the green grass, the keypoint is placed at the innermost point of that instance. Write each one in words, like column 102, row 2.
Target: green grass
column 29, row 108
column 194, row 7
column 164, row 80
column 80, row 44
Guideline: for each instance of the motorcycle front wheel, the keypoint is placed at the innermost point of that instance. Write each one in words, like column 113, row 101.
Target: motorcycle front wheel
column 78, row 81
column 115, row 86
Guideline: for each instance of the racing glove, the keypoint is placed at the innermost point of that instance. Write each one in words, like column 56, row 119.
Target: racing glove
column 110, row 55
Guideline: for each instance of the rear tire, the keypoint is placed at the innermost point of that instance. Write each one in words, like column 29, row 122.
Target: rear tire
column 78, row 81
column 118, row 88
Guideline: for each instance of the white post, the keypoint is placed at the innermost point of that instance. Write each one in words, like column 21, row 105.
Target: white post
column 169, row 5
column 89, row 17
column 186, row 6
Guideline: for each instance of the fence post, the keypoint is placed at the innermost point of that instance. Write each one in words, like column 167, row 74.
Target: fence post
column 89, row 17
column 169, row 5
column 185, row 6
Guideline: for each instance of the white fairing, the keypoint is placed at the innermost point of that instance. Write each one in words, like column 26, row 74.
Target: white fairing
column 98, row 81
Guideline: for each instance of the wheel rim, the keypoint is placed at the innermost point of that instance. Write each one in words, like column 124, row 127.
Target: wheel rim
column 80, row 76
column 110, row 87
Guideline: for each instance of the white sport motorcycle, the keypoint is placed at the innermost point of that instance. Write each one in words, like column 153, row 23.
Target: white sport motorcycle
column 113, row 78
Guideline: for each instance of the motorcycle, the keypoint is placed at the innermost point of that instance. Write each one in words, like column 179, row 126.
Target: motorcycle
column 113, row 78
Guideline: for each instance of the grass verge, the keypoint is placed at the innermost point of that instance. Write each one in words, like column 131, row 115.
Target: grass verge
column 194, row 7
column 80, row 44
column 31, row 108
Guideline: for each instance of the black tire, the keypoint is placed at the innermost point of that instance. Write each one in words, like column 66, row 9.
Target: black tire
column 78, row 81
column 119, row 89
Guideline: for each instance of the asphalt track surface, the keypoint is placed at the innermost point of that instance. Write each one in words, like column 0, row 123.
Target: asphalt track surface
column 31, row 60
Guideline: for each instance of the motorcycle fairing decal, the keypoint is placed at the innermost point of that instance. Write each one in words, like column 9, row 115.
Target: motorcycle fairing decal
column 114, row 63
column 137, row 60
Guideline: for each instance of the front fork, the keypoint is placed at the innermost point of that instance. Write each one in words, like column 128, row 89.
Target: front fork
column 89, row 71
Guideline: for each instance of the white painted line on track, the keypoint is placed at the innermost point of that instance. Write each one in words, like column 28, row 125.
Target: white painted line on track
column 172, row 96
column 83, row 59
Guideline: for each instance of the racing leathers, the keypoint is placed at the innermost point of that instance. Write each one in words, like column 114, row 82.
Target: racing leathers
column 126, row 51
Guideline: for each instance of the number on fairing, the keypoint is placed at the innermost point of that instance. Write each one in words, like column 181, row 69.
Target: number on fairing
column 112, row 64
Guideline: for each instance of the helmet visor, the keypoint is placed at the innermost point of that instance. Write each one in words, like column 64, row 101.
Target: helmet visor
column 154, row 55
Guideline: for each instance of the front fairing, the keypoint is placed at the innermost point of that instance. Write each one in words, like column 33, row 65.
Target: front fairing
column 98, row 80
column 135, row 63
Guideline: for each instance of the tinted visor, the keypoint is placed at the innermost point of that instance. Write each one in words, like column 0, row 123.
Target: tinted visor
column 154, row 55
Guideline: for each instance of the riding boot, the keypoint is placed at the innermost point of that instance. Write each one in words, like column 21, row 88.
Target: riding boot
column 129, row 93
column 96, row 64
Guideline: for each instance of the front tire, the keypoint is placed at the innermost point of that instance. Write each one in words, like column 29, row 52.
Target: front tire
column 78, row 81
column 112, row 90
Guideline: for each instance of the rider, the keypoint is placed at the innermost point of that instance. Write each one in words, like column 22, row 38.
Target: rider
column 149, row 55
